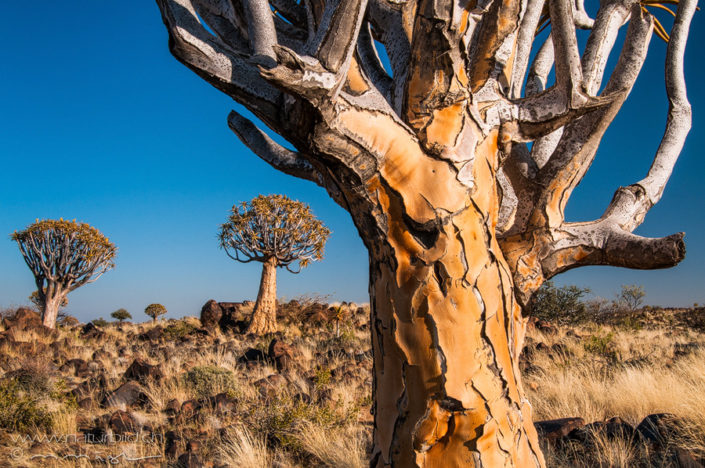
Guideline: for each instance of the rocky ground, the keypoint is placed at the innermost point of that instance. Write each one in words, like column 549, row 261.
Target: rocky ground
column 199, row 392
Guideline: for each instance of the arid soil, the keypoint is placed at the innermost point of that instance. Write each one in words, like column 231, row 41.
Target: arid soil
column 629, row 391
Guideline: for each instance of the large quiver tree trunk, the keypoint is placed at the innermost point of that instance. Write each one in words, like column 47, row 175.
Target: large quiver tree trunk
column 264, row 315
column 447, row 332
column 462, row 218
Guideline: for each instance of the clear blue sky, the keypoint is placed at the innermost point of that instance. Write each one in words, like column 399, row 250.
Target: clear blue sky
column 99, row 123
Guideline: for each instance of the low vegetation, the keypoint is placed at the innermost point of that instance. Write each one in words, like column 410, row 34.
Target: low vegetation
column 182, row 393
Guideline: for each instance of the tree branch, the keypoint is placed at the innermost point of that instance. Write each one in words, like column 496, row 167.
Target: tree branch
column 630, row 205
column 287, row 161
column 605, row 243
column 217, row 62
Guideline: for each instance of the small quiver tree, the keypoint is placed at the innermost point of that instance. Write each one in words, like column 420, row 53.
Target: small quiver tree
column 154, row 311
column 279, row 232
column 63, row 255
column 121, row 315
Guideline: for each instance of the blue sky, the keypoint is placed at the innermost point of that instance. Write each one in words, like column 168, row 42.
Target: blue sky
column 99, row 123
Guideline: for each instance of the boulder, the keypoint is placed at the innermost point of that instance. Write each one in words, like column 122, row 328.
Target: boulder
column 128, row 394
column 122, row 422
column 282, row 354
column 270, row 386
column 252, row 358
column 190, row 408
column 153, row 334
column 658, row 428
column 23, row 319
column 211, row 313
column 171, row 444
column 190, row 460
column 222, row 403
column 554, row 430
column 77, row 367
column 141, row 370
column 172, row 407
column 91, row 331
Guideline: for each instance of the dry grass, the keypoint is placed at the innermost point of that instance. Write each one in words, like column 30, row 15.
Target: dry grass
column 241, row 448
column 342, row 448
column 317, row 417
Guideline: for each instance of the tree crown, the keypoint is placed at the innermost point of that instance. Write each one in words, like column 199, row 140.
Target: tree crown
column 273, row 226
column 66, row 252
column 155, row 310
column 121, row 314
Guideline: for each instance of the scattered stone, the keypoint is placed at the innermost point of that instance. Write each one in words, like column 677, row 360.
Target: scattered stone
column 86, row 404
column 658, row 428
column 252, row 358
column 189, row 408
column 171, row 444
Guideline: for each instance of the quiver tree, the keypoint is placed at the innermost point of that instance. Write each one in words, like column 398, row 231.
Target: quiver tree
column 63, row 255
column 154, row 311
column 456, row 168
column 121, row 315
column 279, row 232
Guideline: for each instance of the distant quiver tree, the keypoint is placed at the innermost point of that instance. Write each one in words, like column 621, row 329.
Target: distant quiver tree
column 154, row 311
column 63, row 255
column 279, row 232
column 121, row 315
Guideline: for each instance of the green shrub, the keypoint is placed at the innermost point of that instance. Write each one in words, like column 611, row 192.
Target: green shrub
column 206, row 381
column 562, row 304
column 179, row 329
column 100, row 322
column 21, row 410
column 602, row 345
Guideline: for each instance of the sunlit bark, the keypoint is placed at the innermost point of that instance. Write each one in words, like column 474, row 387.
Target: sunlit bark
column 463, row 219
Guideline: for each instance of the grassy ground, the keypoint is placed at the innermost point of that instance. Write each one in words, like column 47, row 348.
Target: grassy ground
column 315, row 410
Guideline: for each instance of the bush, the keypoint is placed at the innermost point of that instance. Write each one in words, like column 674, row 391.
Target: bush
column 20, row 411
column 206, row 381
column 179, row 329
column 100, row 322
column 559, row 304
column 631, row 296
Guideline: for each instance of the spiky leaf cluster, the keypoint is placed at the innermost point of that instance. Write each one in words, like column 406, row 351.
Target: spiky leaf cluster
column 67, row 253
column 273, row 226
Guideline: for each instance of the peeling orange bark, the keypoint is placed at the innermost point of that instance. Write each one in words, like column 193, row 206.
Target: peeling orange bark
column 447, row 328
